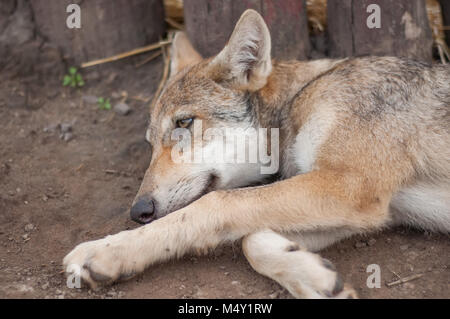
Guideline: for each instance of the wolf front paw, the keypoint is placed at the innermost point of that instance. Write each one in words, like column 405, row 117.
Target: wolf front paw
column 99, row 262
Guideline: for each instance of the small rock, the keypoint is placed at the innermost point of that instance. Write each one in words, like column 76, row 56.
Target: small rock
column 404, row 247
column 371, row 241
column 90, row 99
column 67, row 137
column 66, row 127
column 29, row 227
column 25, row 236
column 122, row 108
column 45, row 286
column 235, row 282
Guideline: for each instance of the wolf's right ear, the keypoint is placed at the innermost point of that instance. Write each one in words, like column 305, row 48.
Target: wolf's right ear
column 182, row 53
column 246, row 59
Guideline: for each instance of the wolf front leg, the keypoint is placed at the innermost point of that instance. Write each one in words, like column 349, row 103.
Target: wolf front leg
column 318, row 200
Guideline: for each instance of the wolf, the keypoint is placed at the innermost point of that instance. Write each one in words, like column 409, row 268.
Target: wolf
column 364, row 144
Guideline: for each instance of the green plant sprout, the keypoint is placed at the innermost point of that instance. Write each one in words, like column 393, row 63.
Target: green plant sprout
column 74, row 79
column 104, row 104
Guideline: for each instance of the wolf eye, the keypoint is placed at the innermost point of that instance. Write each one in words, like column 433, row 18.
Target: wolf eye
column 184, row 123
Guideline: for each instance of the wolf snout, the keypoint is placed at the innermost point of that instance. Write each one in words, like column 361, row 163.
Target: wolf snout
column 143, row 211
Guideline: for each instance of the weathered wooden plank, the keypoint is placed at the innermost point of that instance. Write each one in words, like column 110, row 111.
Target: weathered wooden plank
column 108, row 27
column 404, row 29
column 445, row 6
column 209, row 24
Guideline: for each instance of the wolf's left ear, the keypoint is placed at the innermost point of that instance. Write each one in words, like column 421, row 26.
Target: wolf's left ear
column 246, row 59
column 182, row 53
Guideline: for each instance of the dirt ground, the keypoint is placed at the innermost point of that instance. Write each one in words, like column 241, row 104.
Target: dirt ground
column 55, row 194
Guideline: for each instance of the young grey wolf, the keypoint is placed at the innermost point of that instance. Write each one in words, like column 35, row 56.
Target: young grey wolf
column 364, row 144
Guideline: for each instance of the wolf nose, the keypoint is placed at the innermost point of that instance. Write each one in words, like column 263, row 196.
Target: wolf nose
column 143, row 211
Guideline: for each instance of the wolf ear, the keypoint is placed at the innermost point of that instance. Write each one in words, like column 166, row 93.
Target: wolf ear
column 182, row 53
column 246, row 59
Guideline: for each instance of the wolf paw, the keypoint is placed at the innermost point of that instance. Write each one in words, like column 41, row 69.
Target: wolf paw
column 98, row 262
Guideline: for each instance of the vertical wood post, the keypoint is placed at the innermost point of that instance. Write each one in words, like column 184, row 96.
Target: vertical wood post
column 108, row 27
column 209, row 24
column 445, row 7
column 404, row 29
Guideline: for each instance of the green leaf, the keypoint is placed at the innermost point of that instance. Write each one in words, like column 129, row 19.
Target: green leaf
column 72, row 70
column 81, row 83
column 101, row 100
column 66, row 80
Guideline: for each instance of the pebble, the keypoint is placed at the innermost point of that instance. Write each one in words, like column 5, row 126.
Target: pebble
column 371, row 241
column 122, row 108
column 404, row 247
column 67, row 136
column 90, row 99
column 29, row 227
column 66, row 127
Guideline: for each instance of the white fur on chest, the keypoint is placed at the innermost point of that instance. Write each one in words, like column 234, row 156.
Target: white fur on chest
column 312, row 135
column 426, row 205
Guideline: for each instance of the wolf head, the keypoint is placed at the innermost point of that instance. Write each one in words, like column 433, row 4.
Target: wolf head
column 204, row 96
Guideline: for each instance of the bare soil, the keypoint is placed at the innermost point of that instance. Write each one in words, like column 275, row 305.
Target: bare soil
column 55, row 194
